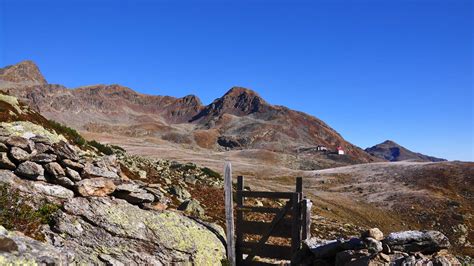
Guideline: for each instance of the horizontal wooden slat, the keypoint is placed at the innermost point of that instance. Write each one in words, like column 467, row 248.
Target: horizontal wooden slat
column 268, row 251
column 265, row 194
column 283, row 229
column 258, row 209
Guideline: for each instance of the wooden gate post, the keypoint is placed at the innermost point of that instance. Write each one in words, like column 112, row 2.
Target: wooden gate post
column 229, row 213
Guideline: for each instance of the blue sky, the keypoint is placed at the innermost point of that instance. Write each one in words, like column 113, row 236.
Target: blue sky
column 373, row 70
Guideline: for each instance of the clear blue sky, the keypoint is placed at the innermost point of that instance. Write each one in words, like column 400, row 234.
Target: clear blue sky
column 373, row 70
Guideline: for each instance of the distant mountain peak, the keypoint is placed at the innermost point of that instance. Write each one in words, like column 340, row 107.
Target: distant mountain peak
column 26, row 72
column 390, row 150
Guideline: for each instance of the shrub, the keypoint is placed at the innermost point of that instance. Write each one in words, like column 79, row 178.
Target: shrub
column 211, row 173
column 17, row 215
column 105, row 149
column 69, row 133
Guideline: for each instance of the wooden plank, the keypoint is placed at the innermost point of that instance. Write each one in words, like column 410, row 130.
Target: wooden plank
column 269, row 251
column 258, row 209
column 307, row 205
column 299, row 184
column 282, row 229
column 239, row 237
column 265, row 236
column 229, row 213
column 266, row 194
column 296, row 228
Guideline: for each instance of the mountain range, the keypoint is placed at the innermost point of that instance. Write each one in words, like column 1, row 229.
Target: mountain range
column 391, row 151
column 240, row 120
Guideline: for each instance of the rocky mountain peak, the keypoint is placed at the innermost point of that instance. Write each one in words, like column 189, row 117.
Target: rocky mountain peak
column 23, row 72
column 392, row 151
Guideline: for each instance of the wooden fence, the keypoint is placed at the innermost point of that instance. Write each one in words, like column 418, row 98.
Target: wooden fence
column 291, row 222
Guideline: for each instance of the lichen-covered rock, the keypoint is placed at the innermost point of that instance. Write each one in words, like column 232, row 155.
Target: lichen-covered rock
column 30, row 170
column 132, row 236
column 95, row 187
column 20, row 142
column 54, row 191
column 26, row 128
column 5, row 162
column 17, row 249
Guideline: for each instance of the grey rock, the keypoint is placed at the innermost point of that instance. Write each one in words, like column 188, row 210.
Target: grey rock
column 73, row 175
column 179, row 192
column 73, row 165
column 95, row 187
column 133, row 194
column 191, row 179
column 374, row 233
column 19, row 155
column 193, row 208
column 54, row 170
column 91, row 171
column 18, row 249
column 64, row 181
column 417, row 241
column 374, row 246
column 53, row 190
column 65, row 151
column 30, row 170
column 41, row 139
column 43, row 148
column 3, row 147
column 43, row 158
column 25, row 144
column 5, row 162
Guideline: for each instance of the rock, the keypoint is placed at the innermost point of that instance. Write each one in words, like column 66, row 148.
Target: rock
column 417, row 241
column 41, row 139
column 374, row 233
column 73, row 165
column 19, row 142
column 142, row 174
column 133, row 236
column 156, row 206
column 384, row 257
column 5, row 162
column 191, row 179
column 180, row 192
column 374, row 246
column 54, row 191
column 91, row 171
column 95, row 187
column 19, row 155
column 133, row 194
column 43, row 158
column 351, row 257
column 3, row 147
column 65, row 151
column 43, row 148
column 73, row 174
column 30, row 170
column 192, row 207
column 54, row 170
column 64, row 181
column 18, row 249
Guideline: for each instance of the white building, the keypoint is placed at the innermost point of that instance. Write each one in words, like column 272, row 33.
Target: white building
column 340, row 151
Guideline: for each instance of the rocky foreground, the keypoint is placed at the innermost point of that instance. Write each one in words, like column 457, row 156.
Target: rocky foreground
column 102, row 217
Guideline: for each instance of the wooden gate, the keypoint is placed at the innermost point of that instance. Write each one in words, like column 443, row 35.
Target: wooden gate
column 290, row 222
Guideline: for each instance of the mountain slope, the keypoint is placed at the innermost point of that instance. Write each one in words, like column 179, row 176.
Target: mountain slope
column 392, row 151
column 239, row 120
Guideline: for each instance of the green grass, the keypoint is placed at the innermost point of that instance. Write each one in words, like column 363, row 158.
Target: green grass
column 211, row 173
column 17, row 215
column 105, row 149
column 69, row 133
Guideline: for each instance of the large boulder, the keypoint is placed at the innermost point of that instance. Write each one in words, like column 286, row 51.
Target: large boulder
column 20, row 142
column 30, row 170
column 123, row 233
column 417, row 241
column 95, row 187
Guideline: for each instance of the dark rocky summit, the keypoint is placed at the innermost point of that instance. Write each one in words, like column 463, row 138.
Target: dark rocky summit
column 391, row 151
